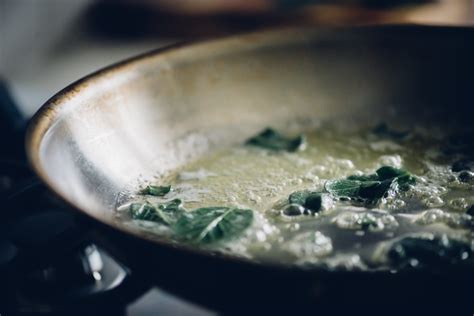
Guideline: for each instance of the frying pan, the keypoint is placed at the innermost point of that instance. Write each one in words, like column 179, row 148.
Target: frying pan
column 136, row 119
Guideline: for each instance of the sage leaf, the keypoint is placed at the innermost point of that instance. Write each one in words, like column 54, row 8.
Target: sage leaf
column 175, row 205
column 172, row 210
column 370, row 177
column 148, row 212
column 387, row 172
column 314, row 202
column 405, row 181
column 298, row 197
column 156, row 190
column 293, row 210
column 272, row 140
column 212, row 224
column 374, row 190
column 311, row 201
column 371, row 188
column 403, row 178
column 343, row 188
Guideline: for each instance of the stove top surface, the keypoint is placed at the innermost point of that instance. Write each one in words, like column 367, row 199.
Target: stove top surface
column 50, row 263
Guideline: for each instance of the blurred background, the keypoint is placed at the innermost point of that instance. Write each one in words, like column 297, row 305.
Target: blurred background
column 47, row 44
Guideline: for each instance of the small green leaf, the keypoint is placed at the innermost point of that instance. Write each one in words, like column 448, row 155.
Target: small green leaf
column 212, row 224
column 166, row 213
column 298, row 197
column 148, row 212
column 387, row 172
column 293, row 210
column 405, row 181
column 374, row 190
column 142, row 211
column 272, row 140
column 172, row 210
column 343, row 188
column 368, row 191
column 172, row 206
column 370, row 177
column 373, row 187
column 314, row 202
column 156, row 190
column 311, row 201
column 402, row 177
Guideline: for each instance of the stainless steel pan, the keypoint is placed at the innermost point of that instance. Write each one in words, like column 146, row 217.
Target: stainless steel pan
column 98, row 136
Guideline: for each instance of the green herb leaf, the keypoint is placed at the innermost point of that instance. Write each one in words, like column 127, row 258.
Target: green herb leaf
column 311, row 201
column 212, row 224
column 371, row 188
column 370, row 177
column 156, row 190
column 172, row 209
column 374, row 190
column 293, row 210
column 405, row 181
column 298, row 197
column 343, row 188
column 314, row 202
column 148, row 212
column 172, row 206
column 272, row 140
column 387, row 172
column 142, row 211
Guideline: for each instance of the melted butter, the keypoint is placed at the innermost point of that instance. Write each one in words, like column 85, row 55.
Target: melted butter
column 251, row 177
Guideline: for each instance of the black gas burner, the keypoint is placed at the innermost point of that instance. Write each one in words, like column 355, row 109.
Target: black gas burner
column 50, row 263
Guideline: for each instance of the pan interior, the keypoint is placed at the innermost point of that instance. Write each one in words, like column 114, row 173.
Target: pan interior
column 129, row 124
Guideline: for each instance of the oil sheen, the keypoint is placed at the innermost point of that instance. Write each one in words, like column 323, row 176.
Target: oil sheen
column 253, row 178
